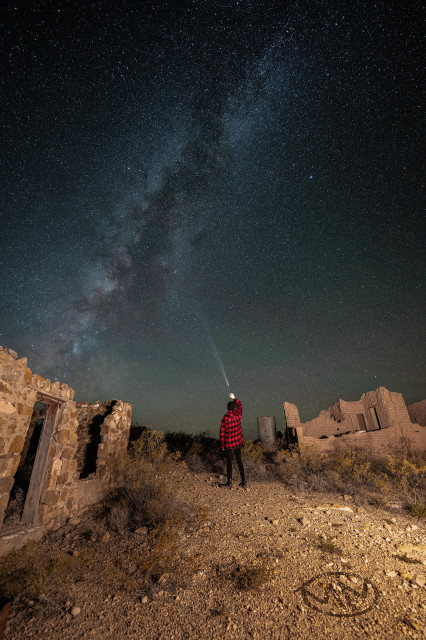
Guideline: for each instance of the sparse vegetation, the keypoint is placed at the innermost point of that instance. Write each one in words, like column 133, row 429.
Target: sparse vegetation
column 329, row 546
column 145, row 507
column 380, row 480
column 27, row 571
column 16, row 504
column 249, row 577
column 418, row 510
column 405, row 558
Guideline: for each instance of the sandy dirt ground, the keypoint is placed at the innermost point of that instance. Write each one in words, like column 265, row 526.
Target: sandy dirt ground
column 265, row 564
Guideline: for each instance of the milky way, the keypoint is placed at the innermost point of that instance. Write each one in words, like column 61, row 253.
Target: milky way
column 204, row 189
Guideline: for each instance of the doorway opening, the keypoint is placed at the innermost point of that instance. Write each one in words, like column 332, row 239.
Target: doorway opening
column 29, row 478
column 22, row 478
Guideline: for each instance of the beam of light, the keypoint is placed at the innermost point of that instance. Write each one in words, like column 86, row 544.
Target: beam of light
column 215, row 350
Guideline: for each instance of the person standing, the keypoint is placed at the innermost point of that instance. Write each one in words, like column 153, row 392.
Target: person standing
column 231, row 439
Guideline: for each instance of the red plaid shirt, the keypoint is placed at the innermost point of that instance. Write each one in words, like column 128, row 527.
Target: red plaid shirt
column 231, row 434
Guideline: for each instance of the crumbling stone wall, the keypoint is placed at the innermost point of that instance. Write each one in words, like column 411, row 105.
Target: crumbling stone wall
column 378, row 420
column 417, row 412
column 56, row 489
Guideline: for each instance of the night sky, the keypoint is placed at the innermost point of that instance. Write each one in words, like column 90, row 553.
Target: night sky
column 200, row 189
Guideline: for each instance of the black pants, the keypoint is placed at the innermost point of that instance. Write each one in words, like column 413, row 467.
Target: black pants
column 239, row 463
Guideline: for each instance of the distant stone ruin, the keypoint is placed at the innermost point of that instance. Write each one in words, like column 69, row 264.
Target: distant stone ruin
column 380, row 421
column 56, row 456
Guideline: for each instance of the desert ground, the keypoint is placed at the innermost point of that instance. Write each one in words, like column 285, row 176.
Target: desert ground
column 267, row 562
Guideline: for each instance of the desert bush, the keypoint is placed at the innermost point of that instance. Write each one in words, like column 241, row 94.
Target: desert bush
column 204, row 455
column 34, row 569
column 16, row 503
column 145, row 501
column 329, row 546
column 408, row 478
column 362, row 473
column 150, row 446
column 250, row 577
column 418, row 510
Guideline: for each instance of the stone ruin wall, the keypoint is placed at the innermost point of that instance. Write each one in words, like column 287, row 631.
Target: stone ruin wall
column 56, row 489
column 385, row 425
column 417, row 412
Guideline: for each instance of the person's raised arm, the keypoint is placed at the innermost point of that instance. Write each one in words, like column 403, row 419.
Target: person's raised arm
column 237, row 402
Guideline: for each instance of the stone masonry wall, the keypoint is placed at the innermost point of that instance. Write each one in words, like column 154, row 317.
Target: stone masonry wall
column 387, row 425
column 417, row 412
column 60, row 490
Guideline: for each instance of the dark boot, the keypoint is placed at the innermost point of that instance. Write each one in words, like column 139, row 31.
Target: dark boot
column 228, row 484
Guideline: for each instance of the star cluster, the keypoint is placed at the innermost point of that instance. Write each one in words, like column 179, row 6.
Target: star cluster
column 204, row 190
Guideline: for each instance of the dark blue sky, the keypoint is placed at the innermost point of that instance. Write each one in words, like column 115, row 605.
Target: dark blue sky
column 202, row 181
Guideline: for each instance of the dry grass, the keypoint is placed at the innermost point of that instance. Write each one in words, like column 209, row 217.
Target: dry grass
column 329, row 546
column 143, row 499
column 405, row 558
column 368, row 477
column 418, row 510
column 31, row 570
column 250, row 578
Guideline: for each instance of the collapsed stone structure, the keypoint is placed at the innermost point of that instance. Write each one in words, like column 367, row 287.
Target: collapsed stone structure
column 380, row 420
column 56, row 456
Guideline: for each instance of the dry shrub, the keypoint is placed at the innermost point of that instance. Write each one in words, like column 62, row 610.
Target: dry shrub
column 408, row 478
column 248, row 577
column 362, row 473
column 418, row 510
column 143, row 497
column 16, row 503
column 35, row 569
column 150, row 502
column 329, row 546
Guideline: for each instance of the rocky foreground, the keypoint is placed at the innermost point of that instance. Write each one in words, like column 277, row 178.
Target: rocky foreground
column 264, row 563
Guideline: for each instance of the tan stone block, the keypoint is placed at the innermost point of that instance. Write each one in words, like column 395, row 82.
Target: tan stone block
column 72, row 466
column 2, row 446
column 53, row 451
column 37, row 381
column 56, row 466
column 44, row 513
column 6, row 389
column 67, row 453
column 64, row 436
column 28, row 375
column 6, row 484
column 4, row 501
column 8, row 465
column 55, row 388
column 73, row 438
column 25, row 409
column 7, row 407
column 62, row 478
column 16, row 445
column 52, row 498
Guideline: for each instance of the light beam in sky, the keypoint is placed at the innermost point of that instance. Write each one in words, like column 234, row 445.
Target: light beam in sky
column 215, row 350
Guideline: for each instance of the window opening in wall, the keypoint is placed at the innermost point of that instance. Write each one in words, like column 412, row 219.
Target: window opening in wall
column 375, row 418
column 361, row 421
column 90, row 420
column 23, row 474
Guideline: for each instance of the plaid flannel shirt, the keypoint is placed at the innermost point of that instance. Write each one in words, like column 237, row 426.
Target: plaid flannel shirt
column 231, row 434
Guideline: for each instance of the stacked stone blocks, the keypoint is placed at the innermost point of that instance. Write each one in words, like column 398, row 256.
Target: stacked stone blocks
column 61, row 490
